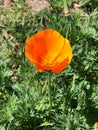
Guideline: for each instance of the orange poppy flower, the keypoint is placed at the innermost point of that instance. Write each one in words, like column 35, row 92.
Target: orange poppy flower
column 96, row 126
column 48, row 50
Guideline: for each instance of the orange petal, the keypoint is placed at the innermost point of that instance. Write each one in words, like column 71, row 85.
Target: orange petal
column 44, row 46
column 60, row 66
column 41, row 68
column 96, row 126
column 48, row 50
column 65, row 52
column 64, row 58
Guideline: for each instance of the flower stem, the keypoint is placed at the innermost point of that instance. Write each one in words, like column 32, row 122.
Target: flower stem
column 49, row 89
column 66, row 11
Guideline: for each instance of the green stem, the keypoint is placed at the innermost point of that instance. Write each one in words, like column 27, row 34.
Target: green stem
column 49, row 89
column 66, row 11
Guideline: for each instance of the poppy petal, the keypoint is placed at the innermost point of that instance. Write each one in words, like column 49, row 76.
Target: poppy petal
column 44, row 46
column 61, row 62
column 66, row 52
column 48, row 50
column 60, row 66
column 96, row 126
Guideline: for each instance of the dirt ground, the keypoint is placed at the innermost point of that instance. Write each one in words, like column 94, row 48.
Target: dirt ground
column 34, row 5
column 37, row 5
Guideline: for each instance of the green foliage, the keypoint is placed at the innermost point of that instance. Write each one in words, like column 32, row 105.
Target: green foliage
column 24, row 101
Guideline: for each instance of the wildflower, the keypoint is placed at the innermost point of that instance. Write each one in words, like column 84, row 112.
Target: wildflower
column 96, row 126
column 48, row 50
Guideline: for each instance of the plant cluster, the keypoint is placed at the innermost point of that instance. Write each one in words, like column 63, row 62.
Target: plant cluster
column 24, row 101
